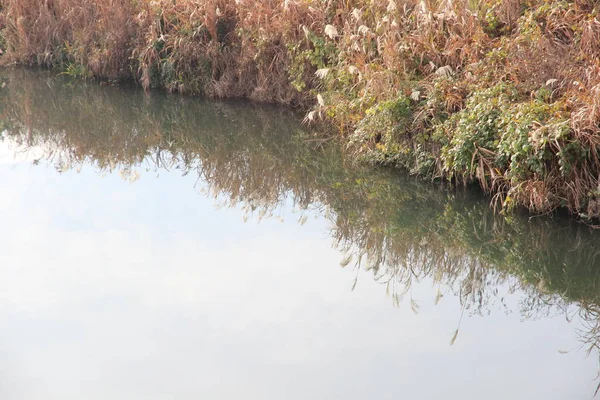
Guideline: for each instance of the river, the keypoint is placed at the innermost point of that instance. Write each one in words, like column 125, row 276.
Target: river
column 157, row 246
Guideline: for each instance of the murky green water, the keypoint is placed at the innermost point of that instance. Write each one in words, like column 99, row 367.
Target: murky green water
column 163, row 247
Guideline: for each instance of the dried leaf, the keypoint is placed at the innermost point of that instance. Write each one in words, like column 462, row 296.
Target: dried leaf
column 363, row 30
column 331, row 31
column 306, row 31
column 322, row 73
column 444, row 71
column 321, row 100
column 454, row 337
column 311, row 116
column 541, row 285
column 414, row 306
column 391, row 6
column 346, row 260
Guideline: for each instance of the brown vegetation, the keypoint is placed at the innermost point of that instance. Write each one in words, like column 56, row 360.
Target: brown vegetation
column 502, row 92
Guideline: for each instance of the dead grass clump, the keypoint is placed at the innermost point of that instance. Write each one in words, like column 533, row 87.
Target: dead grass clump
column 92, row 36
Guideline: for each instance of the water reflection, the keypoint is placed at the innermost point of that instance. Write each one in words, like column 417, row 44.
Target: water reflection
column 400, row 230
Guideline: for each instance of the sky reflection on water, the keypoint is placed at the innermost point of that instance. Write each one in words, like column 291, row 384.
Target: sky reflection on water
column 153, row 289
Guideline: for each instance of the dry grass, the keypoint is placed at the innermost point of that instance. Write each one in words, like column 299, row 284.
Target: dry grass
column 341, row 60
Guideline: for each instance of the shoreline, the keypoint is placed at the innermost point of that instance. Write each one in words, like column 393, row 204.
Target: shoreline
column 501, row 94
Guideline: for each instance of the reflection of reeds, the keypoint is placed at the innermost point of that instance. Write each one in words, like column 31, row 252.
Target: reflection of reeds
column 400, row 230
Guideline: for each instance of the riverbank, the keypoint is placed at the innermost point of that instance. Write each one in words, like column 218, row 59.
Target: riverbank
column 503, row 93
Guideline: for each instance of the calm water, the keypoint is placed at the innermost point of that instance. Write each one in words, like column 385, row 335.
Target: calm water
column 162, row 247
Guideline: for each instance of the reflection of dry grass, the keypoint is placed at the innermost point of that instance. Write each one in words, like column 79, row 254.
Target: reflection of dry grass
column 251, row 154
column 401, row 231
column 115, row 130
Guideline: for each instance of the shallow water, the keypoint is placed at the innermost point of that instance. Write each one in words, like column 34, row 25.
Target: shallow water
column 164, row 247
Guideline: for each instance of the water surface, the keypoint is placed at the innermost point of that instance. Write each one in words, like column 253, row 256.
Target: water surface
column 164, row 247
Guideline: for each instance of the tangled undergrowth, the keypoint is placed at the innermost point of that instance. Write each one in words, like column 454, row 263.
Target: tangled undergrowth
column 505, row 93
